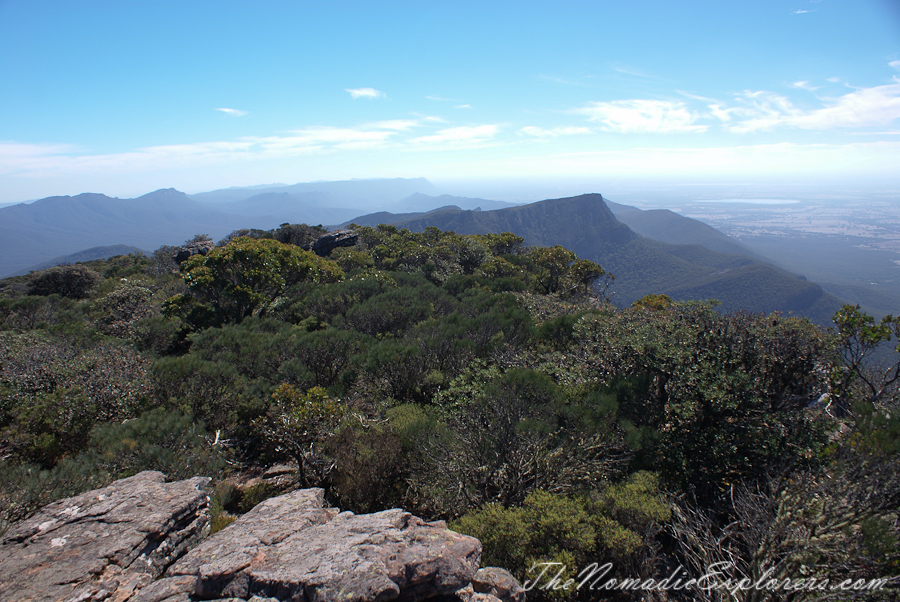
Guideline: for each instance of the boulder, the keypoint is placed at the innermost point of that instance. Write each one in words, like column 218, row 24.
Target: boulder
column 197, row 247
column 325, row 244
column 139, row 540
column 294, row 548
column 499, row 583
column 103, row 544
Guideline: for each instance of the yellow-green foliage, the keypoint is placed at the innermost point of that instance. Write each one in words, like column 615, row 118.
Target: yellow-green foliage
column 305, row 411
column 571, row 530
column 656, row 302
column 247, row 274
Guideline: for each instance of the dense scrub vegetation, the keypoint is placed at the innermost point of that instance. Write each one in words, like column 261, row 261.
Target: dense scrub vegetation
column 468, row 378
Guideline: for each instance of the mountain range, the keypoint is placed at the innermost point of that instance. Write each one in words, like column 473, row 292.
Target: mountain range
column 586, row 225
column 655, row 251
column 34, row 233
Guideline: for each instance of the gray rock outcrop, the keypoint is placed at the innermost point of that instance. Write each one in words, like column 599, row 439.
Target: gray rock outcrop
column 325, row 244
column 498, row 583
column 294, row 548
column 103, row 544
column 195, row 247
column 132, row 541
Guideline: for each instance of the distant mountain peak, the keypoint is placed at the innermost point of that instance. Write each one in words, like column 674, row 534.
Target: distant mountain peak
column 164, row 192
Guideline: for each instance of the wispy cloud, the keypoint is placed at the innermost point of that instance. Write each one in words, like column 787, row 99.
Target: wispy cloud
column 457, row 137
column 754, row 111
column 799, row 11
column 626, row 70
column 695, row 96
column 53, row 160
column 652, row 116
column 805, row 85
column 537, row 132
column 364, row 93
column 61, row 160
column 430, row 118
column 895, row 65
column 560, row 80
column 835, row 80
column 877, row 158
column 17, row 157
column 397, row 125
column 233, row 112
column 329, row 139
column 762, row 111
column 462, row 106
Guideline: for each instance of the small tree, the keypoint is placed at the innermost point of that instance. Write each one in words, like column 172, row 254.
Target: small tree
column 551, row 264
column 298, row 423
column 246, row 275
column 584, row 273
column 859, row 335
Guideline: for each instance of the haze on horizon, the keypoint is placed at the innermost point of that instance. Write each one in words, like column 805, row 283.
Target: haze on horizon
column 125, row 98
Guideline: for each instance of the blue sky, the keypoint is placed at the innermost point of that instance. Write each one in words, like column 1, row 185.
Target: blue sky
column 124, row 97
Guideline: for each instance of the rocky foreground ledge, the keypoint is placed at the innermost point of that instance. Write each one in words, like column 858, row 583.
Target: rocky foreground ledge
column 141, row 539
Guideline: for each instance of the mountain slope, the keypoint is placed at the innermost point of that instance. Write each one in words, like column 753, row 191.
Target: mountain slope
column 875, row 302
column 43, row 230
column 643, row 266
column 91, row 254
column 420, row 202
column 667, row 226
column 294, row 207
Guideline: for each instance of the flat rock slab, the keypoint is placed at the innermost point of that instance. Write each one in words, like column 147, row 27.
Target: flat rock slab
column 294, row 548
column 104, row 544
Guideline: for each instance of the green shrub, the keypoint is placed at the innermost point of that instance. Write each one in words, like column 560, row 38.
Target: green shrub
column 26, row 488
column 245, row 276
column 163, row 440
column 248, row 498
column 55, row 391
column 74, row 281
column 369, row 465
column 615, row 524
column 123, row 307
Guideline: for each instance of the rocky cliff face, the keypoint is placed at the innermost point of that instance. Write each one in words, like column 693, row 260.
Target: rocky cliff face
column 139, row 539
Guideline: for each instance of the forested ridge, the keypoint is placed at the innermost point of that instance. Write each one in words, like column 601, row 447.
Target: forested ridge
column 469, row 378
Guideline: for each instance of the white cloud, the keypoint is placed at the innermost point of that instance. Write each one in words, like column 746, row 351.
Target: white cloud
column 327, row 139
column 462, row 106
column 695, row 96
column 233, row 112
column 397, row 125
column 364, row 93
column 895, row 65
column 458, row 137
column 323, row 139
column 762, row 111
column 799, row 11
column 17, row 157
column 829, row 160
column 35, row 161
column 55, row 160
column 805, row 85
column 654, row 116
column 835, row 80
column 553, row 132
